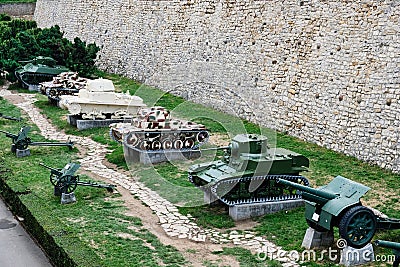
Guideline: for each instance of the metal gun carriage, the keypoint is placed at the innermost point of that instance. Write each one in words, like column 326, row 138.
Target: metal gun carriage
column 65, row 181
column 392, row 245
column 249, row 172
column 21, row 141
column 338, row 204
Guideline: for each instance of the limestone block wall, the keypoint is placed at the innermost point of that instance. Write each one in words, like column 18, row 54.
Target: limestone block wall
column 18, row 9
column 324, row 71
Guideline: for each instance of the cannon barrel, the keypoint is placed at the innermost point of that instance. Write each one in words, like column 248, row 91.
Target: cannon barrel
column 309, row 193
column 215, row 148
column 9, row 118
column 388, row 244
column 53, row 170
column 10, row 135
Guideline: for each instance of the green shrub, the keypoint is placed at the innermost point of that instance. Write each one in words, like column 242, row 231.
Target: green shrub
column 22, row 40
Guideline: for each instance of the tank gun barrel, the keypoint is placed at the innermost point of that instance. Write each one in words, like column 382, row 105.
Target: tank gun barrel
column 311, row 194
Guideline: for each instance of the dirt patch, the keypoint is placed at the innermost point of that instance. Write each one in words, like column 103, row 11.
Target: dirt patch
column 14, row 99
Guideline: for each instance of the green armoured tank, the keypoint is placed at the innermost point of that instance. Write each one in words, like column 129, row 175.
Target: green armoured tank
column 40, row 69
column 249, row 172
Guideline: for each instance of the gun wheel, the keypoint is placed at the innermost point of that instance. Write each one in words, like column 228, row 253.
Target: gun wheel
column 53, row 179
column 357, row 226
column 67, row 184
column 396, row 261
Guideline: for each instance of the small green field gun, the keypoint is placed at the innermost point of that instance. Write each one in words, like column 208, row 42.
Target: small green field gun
column 338, row 204
column 392, row 245
column 21, row 140
column 65, row 181
column 9, row 118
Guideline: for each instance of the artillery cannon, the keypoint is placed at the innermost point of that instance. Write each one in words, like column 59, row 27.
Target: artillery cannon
column 65, row 181
column 392, row 245
column 21, row 140
column 9, row 118
column 338, row 204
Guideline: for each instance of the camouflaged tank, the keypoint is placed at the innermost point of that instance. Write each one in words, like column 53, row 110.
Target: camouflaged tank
column 249, row 172
column 154, row 129
column 100, row 101
column 37, row 70
column 66, row 83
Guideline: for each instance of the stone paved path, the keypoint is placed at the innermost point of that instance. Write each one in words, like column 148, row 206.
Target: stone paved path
column 174, row 223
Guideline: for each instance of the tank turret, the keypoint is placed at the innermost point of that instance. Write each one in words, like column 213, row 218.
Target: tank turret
column 249, row 171
column 100, row 101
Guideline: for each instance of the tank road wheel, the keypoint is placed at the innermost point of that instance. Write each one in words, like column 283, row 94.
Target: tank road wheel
column 74, row 108
column 167, row 144
column 357, row 226
column 67, row 184
column 53, row 92
column 132, row 139
column 178, row 144
column 115, row 135
column 202, row 136
column 145, row 145
column 156, row 145
column 188, row 143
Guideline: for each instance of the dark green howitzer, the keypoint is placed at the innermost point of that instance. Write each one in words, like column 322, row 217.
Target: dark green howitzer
column 9, row 118
column 65, row 181
column 392, row 245
column 338, row 204
column 21, row 140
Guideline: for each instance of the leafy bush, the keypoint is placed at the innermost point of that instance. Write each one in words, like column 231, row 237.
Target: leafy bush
column 22, row 40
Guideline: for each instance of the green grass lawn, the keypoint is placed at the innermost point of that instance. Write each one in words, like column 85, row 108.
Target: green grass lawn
column 94, row 231
column 286, row 229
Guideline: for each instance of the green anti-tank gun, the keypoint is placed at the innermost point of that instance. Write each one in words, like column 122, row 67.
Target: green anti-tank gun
column 65, row 181
column 392, row 245
column 338, row 204
column 21, row 140
column 249, row 172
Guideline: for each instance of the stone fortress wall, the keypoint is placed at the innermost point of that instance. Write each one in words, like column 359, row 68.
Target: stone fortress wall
column 22, row 10
column 325, row 71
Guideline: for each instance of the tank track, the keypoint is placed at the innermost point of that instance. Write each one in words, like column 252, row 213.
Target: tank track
column 45, row 77
column 268, row 189
column 166, row 140
column 55, row 93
